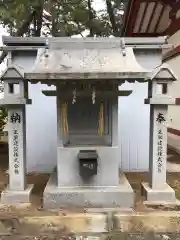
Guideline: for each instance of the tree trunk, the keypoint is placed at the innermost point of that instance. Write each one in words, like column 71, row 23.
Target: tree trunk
column 91, row 16
column 112, row 17
column 53, row 19
column 39, row 21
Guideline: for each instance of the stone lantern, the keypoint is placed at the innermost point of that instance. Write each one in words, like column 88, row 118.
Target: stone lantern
column 15, row 99
column 158, row 97
column 15, row 88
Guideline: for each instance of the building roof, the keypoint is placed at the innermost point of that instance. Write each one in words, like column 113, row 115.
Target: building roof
column 85, row 58
column 152, row 18
column 86, row 63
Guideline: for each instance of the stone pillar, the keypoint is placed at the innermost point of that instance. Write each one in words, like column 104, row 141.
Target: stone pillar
column 158, row 146
column 157, row 189
column 18, row 191
column 17, row 148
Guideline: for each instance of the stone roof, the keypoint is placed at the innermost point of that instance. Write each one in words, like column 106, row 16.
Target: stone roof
column 86, row 58
column 12, row 72
column 87, row 63
column 162, row 72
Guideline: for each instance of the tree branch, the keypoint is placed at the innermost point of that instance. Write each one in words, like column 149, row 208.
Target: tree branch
column 91, row 16
column 24, row 27
column 112, row 17
column 21, row 31
column 38, row 20
column 2, row 57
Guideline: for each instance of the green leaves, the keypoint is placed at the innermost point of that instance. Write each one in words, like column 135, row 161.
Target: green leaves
column 3, row 118
column 64, row 18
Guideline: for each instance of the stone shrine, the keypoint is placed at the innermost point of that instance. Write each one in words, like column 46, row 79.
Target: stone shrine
column 87, row 74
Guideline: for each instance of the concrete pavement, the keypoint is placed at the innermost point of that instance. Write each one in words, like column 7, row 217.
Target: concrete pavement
column 91, row 222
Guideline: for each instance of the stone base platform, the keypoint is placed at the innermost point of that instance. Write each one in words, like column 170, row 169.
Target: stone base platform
column 12, row 197
column 96, row 197
column 167, row 194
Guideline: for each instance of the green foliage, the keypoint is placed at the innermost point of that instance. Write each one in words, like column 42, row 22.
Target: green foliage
column 13, row 13
column 66, row 17
column 3, row 118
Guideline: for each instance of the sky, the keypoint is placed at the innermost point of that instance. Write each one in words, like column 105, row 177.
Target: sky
column 2, row 65
column 2, row 32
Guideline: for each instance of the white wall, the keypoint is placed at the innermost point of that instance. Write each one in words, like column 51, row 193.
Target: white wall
column 134, row 120
column 174, row 111
column 174, row 39
column 134, row 128
column 174, row 63
column 41, row 130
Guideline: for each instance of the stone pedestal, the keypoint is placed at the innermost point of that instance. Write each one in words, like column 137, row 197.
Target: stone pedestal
column 106, row 189
column 88, row 196
column 157, row 189
column 17, row 191
column 165, row 194
column 13, row 197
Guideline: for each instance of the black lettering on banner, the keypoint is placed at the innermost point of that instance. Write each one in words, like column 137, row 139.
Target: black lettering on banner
column 160, row 132
column 160, row 137
column 16, row 150
column 160, row 118
column 160, row 146
column 16, row 171
column 15, row 117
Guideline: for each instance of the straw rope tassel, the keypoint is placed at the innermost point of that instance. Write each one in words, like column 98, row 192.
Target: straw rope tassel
column 101, row 120
column 64, row 119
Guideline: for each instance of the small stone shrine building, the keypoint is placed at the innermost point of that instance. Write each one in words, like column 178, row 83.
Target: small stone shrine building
column 87, row 75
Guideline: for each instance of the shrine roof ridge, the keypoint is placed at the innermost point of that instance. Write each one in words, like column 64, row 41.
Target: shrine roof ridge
column 129, row 77
column 89, row 42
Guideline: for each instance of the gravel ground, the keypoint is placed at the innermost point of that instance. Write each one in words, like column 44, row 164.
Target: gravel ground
column 148, row 236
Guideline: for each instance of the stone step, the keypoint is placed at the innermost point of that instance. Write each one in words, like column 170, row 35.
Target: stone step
column 95, row 225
